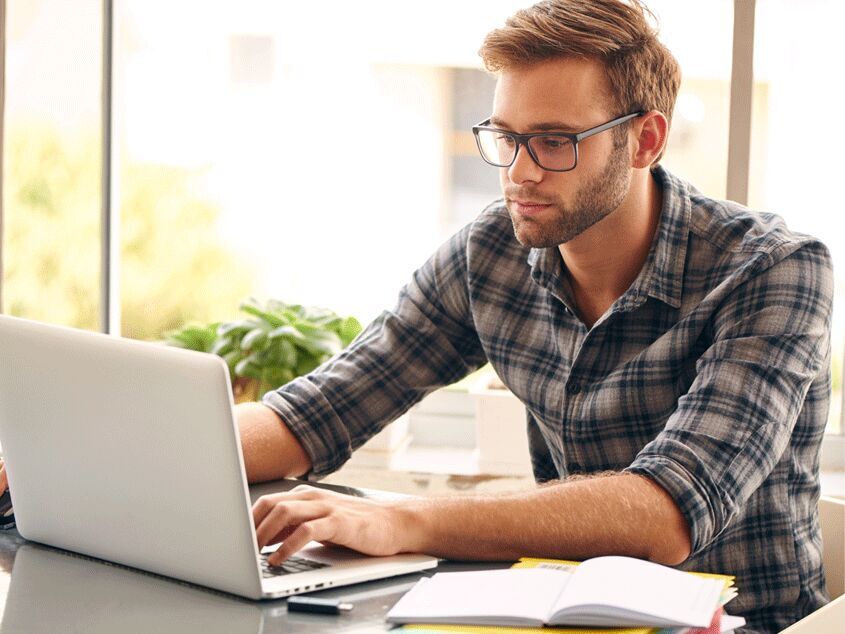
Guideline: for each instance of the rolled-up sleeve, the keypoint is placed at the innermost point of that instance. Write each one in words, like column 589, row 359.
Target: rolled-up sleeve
column 769, row 339
column 428, row 340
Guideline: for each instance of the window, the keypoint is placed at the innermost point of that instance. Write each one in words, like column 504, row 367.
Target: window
column 253, row 161
column 52, row 168
column 797, row 148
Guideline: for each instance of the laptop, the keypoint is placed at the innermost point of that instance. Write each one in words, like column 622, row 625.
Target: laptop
column 128, row 451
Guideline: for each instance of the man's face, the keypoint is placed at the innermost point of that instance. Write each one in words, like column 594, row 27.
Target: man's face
column 562, row 95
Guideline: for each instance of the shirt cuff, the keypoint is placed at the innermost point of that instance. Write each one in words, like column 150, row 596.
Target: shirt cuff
column 687, row 493
column 314, row 423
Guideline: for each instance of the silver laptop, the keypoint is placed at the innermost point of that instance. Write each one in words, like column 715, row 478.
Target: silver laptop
column 128, row 451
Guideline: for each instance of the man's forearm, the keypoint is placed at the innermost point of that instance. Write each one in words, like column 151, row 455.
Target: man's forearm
column 622, row 514
column 269, row 448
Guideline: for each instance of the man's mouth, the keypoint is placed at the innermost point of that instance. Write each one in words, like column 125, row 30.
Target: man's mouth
column 529, row 207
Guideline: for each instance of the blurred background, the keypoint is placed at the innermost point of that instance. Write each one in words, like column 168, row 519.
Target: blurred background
column 319, row 152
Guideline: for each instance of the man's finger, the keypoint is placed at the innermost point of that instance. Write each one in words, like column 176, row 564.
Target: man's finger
column 262, row 506
column 267, row 503
column 321, row 529
column 4, row 482
column 284, row 515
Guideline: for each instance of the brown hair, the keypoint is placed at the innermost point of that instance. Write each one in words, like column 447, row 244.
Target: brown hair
column 642, row 73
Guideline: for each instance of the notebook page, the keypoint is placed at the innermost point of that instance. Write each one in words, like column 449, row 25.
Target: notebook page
column 482, row 597
column 636, row 592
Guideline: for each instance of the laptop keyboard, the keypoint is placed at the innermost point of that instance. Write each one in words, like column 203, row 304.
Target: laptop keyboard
column 292, row 565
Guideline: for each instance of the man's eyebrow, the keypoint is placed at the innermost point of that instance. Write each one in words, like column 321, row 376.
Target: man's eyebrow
column 544, row 126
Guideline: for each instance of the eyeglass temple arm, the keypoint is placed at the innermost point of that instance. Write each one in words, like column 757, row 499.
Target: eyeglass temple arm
column 604, row 126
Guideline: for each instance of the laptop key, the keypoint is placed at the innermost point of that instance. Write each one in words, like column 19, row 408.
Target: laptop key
column 292, row 565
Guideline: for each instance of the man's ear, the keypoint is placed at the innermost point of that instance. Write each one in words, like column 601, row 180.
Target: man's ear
column 650, row 132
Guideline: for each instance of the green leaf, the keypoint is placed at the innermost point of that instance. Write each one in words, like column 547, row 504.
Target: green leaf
column 280, row 353
column 277, row 377
column 348, row 330
column 307, row 362
column 232, row 358
column 254, row 339
column 285, row 331
column 273, row 320
column 193, row 337
column 222, row 346
column 322, row 342
column 230, row 327
column 249, row 367
column 287, row 354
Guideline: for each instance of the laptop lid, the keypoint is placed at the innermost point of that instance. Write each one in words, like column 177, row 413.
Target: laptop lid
column 126, row 451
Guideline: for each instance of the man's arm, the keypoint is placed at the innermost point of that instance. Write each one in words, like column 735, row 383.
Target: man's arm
column 622, row 514
column 426, row 341
column 270, row 450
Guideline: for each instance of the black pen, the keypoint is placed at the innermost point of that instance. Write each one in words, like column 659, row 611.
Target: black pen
column 317, row 606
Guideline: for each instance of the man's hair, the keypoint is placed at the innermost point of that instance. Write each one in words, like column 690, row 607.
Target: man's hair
column 642, row 73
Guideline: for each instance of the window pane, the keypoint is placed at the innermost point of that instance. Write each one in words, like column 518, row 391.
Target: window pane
column 51, row 189
column 797, row 146
column 700, row 37
column 253, row 162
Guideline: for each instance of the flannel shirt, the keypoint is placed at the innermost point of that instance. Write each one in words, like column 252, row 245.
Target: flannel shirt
column 710, row 375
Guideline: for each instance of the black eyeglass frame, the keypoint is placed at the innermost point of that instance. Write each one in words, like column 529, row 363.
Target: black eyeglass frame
column 523, row 139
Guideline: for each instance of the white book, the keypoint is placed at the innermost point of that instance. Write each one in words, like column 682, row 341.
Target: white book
column 601, row 592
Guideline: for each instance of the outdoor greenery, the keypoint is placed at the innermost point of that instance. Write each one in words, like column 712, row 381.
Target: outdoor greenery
column 173, row 265
column 271, row 346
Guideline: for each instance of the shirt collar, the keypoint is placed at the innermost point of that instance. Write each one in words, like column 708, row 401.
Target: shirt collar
column 662, row 274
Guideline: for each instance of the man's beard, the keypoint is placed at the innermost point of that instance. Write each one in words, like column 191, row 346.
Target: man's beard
column 594, row 201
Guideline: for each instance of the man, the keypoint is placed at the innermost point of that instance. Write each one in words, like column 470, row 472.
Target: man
column 672, row 351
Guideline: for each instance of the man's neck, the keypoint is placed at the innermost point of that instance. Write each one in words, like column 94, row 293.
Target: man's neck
column 604, row 261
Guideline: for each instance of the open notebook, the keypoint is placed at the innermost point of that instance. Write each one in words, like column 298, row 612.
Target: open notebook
column 601, row 592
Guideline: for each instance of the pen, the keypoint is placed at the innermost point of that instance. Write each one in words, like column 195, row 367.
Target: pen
column 317, row 606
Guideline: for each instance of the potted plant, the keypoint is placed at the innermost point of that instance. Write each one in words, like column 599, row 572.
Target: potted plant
column 274, row 344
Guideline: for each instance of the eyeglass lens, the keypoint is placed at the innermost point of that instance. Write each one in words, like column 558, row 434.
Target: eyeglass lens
column 551, row 151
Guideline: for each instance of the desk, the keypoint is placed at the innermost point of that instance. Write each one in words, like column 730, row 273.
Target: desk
column 48, row 590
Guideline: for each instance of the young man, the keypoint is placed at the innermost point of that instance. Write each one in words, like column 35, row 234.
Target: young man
column 671, row 350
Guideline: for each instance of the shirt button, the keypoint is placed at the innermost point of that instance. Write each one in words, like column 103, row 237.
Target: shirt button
column 573, row 388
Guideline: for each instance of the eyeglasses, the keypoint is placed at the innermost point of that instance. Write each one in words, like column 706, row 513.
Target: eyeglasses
column 552, row 151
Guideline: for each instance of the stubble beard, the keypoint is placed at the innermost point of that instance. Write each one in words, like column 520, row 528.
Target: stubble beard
column 595, row 200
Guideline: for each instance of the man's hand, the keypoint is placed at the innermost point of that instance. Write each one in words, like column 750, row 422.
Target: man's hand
column 307, row 513
column 4, row 481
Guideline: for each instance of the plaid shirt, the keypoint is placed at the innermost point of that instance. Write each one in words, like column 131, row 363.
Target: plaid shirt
column 710, row 374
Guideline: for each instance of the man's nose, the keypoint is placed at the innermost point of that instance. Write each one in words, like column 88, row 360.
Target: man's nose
column 524, row 168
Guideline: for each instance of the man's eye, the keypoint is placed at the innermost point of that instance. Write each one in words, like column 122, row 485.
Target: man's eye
column 554, row 143
column 504, row 139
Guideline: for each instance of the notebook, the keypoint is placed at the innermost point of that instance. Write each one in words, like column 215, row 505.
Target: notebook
column 601, row 592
